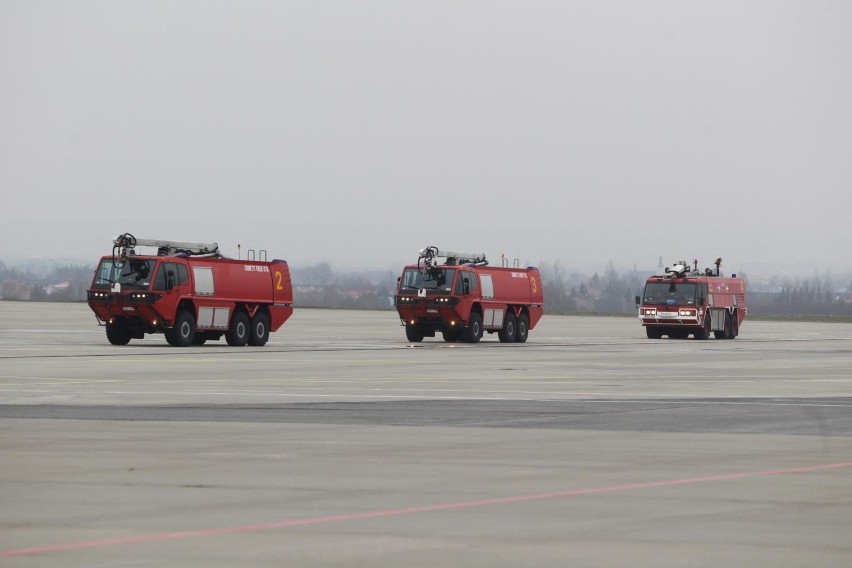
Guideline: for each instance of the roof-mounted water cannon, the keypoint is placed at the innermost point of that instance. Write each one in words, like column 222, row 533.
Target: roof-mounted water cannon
column 124, row 245
column 427, row 257
column 677, row 270
column 718, row 272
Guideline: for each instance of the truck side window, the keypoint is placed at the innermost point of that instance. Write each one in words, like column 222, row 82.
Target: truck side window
column 182, row 274
column 167, row 276
column 465, row 283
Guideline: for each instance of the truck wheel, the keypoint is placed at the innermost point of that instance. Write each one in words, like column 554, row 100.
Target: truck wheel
column 413, row 334
column 259, row 333
column 729, row 326
column 704, row 332
column 522, row 328
column 735, row 326
column 510, row 328
column 184, row 329
column 725, row 333
column 451, row 335
column 653, row 332
column 199, row 339
column 473, row 332
column 117, row 333
column 238, row 331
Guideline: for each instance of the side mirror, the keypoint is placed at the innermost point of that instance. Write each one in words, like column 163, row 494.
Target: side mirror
column 170, row 281
column 465, row 287
column 638, row 301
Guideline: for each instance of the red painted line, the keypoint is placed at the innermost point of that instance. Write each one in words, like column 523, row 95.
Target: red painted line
column 414, row 510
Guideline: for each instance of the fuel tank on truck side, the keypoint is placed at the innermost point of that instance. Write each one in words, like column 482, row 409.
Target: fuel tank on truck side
column 246, row 281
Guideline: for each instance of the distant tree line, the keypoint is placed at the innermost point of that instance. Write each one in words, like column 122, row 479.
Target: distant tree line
column 813, row 297
column 321, row 287
column 566, row 291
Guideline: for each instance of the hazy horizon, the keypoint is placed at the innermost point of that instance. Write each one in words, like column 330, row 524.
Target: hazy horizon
column 359, row 132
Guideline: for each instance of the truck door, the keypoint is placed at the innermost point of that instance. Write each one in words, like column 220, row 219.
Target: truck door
column 172, row 281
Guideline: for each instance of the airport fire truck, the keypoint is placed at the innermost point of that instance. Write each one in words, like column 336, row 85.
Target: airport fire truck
column 684, row 300
column 464, row 297
column 190, row 293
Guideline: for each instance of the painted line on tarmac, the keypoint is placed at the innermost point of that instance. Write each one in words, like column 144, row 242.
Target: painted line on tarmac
column 347, row 517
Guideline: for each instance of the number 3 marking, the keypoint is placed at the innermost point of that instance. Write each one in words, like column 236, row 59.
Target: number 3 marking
column 532, row 282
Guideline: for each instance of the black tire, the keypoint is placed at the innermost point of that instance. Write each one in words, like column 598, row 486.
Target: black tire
column 678, row 334
column 451, row 335
column 725, row 333
column 259, row 331
column 238, row 332
column 183, row 331
column 510, row 329
column 413, row 334
column 735, row 326
column 522, row 328
column 704, row 332
column 653, row 332
column 473, row 332
column 117, row 333
column 199, row 339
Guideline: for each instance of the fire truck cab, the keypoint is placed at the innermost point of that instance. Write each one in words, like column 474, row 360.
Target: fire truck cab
column 464, row 297
column 684, row 301
column 190, row 293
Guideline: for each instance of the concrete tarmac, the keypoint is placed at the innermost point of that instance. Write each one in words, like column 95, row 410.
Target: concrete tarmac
column 339, row 443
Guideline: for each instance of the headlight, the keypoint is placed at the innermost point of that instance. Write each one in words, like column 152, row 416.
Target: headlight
column 687, row 313
column 649, row 311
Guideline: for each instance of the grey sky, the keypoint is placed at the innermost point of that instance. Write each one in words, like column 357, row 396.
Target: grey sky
column 357, row 131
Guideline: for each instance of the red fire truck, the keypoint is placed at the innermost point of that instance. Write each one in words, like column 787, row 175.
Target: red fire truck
column 190, row 293
column 464, row 297
column 682, row 301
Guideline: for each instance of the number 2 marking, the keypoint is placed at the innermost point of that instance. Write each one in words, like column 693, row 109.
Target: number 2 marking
column 279, row 280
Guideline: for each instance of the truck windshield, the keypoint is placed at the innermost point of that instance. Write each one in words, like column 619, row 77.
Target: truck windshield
column 670, row 293
column 439, row 282
column 134, row 274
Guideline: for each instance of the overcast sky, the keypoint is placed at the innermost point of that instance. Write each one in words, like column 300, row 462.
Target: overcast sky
column 360, row 131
